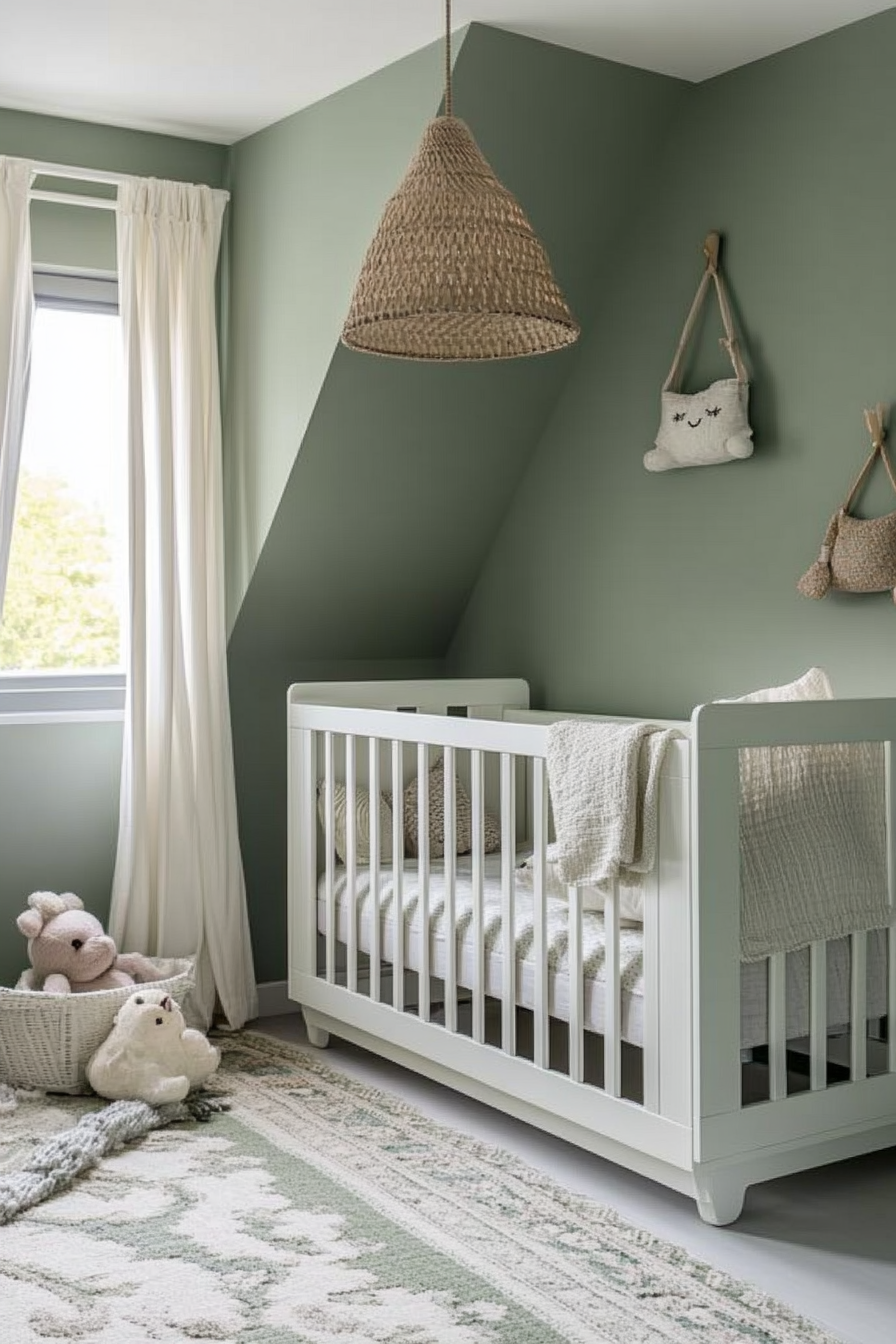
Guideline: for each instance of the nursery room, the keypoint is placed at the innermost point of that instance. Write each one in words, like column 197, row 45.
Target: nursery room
column 447, row 694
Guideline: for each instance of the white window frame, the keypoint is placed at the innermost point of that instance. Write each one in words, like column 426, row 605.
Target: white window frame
column 70, row 696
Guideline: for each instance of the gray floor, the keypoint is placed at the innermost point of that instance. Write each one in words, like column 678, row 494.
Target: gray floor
column 824, row 1241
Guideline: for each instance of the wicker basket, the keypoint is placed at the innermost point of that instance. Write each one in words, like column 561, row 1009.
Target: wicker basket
column 46, row 1040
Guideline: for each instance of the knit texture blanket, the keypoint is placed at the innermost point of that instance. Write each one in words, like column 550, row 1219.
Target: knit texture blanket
column 604, row 781
column 813, row 856
column 813, row 839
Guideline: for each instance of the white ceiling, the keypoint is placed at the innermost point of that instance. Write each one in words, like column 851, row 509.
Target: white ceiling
column 221, row 69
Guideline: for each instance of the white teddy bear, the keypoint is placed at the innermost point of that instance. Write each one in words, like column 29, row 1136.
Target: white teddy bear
column 150, row 1054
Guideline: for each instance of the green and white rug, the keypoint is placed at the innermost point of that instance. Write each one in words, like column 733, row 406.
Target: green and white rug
column 320, row 1211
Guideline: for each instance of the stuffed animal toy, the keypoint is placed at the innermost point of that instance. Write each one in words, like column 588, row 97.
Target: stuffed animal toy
column 150, row 1055
column 70, row 953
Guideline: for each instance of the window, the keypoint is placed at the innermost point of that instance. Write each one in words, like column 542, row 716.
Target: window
column 66, row 585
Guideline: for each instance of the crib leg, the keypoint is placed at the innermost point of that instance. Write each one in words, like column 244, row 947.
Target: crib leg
column 316, row 1035
column 720, row 1197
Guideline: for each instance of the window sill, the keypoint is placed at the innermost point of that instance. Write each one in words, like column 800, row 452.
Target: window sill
column 53, row 697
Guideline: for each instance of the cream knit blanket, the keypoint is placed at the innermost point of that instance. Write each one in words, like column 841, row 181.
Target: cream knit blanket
column 813, row 856
column 604, row 781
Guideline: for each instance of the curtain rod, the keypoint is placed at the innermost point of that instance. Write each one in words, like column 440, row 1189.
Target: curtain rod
column 79, row 174
column 65, row 170
column 69, row 198
column 97, row 175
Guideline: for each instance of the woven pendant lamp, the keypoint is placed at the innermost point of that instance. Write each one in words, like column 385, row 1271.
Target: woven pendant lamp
column 454, row 271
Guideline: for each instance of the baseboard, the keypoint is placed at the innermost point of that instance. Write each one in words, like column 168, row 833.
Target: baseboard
column 273, row 1000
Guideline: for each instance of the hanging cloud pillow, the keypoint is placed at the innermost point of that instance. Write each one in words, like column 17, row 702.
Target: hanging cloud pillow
column 700, row 429
column 703, row 428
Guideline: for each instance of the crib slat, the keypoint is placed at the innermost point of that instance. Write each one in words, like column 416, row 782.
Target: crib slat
column 450, row 917
column 508, row 905
column 651, row 956
column 351, row 860
column 858, row 1000
column 576, row 986
column 477, row 785
column 540, row 837
column 612, row 1035
column 329, row 833
column 425, row 1008
column 373, row 900
column 397, row 879
column 302, row 850
column 777, row 1026
column 818, row 1016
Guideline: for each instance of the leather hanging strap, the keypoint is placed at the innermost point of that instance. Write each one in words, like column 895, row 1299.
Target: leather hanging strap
column 728, row 341
column 874, row 422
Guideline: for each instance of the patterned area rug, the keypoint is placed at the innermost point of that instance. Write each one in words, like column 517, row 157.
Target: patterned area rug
column 320, row 1211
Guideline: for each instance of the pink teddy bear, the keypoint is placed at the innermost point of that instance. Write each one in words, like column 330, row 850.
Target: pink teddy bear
column 70, row 953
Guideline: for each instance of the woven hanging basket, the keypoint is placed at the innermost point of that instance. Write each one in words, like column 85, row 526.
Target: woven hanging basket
column 454, row 270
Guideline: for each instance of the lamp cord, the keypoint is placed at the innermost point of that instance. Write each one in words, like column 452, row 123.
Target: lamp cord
column 447, row 58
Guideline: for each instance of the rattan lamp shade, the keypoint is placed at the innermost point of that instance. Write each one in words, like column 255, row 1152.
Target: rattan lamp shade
column 454, row 271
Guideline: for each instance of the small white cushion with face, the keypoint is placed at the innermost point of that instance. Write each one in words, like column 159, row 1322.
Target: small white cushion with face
column 703, row 428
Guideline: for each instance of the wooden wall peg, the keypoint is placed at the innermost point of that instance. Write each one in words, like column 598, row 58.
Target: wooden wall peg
column 711, row 250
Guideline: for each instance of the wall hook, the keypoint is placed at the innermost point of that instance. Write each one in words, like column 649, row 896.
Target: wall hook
column 711, row 251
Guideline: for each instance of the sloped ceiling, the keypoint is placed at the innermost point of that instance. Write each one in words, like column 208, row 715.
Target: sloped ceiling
column 406, row 470
column 401, row 474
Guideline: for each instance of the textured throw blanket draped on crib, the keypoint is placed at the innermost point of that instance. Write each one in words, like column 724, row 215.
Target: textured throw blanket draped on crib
column 813, row 857
column 813, row 845
column 604, row 781
column 813, row 839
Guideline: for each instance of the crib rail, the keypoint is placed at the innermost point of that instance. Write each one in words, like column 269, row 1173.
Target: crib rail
column 539, row 1014
column 479, row 1016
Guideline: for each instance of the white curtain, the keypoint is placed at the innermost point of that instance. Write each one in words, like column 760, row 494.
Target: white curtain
column 178, row 887
column 16, row 309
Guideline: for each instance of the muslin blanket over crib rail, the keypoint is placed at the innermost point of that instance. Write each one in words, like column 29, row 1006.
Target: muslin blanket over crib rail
column 812, row 828
column 604, row 782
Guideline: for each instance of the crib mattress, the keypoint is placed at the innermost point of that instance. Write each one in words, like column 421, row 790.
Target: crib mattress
column 754, row 980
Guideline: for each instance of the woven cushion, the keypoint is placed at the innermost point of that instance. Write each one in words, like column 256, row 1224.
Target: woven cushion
column 361, row 824
column 463, row 813
column 863, row 557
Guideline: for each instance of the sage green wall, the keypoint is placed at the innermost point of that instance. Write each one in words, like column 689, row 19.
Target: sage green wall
column 59, row 782
column 405, row 470
column 58, row 821
column 70, row 235
column 259, row 748
column 306, row 196
column 610, row 587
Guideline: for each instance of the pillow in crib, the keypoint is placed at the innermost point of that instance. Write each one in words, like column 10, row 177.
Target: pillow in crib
column 812, row 685
column 631, row 900
column 362, row 824
column 463, row 818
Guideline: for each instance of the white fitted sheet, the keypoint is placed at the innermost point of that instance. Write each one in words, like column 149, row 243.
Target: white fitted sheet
column 754, row 982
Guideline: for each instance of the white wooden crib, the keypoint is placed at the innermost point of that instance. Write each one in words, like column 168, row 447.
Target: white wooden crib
column 669, row 1056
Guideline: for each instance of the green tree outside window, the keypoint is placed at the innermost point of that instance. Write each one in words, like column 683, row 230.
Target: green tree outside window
column 60, row 609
